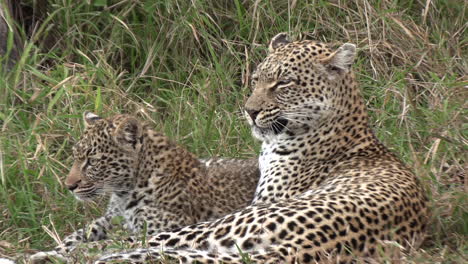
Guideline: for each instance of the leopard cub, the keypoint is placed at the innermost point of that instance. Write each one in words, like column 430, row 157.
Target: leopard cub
column 153, row 183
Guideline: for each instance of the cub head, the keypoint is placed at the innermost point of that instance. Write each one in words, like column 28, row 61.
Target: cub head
column 105, row 157
column 299, row 86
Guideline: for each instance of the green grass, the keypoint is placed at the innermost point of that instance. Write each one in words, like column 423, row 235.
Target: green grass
column 185, row 67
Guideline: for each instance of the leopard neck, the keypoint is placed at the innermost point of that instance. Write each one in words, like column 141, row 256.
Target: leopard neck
column 168, row 170
column 160, row 157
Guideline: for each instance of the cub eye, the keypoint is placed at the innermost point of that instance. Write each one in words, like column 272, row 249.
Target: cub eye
column 92, row 161
column 254, row 80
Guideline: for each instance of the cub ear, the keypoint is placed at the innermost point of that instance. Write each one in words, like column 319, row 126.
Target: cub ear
column 342, row 59
column 90, row 118
column 127, row 133
column 277, row 41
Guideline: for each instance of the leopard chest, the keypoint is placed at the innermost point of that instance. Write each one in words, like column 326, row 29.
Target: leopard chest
column 280, row 173
column 129, row 208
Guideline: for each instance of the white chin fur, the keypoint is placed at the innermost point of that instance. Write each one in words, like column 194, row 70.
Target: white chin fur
column 85, row 198
column 256, row 133
column 263, row 135
column 77, row 197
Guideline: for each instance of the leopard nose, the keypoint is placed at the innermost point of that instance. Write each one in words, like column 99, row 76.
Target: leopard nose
column 73, row 186
column 252, row 113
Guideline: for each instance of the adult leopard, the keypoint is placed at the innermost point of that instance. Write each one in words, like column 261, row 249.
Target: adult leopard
column 153, row 183
column 328, row 187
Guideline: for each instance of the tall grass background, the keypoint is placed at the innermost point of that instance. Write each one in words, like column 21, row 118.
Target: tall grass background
column 185, row 67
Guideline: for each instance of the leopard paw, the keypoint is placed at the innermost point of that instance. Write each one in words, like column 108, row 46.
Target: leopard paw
column 47, row 257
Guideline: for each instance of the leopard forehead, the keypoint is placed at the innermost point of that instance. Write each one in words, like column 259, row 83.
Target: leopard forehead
column 291, row 59
column 99, row 133
column 95, row 138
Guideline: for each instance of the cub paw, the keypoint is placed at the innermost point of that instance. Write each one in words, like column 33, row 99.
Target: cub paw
column 47, row 257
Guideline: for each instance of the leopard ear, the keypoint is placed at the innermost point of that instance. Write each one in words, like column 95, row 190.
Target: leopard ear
column 90, row 118
column 277, row 41
column 342, row 59
column 127, row 133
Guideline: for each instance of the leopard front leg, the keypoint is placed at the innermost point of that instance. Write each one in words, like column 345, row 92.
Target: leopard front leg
column 95, row 231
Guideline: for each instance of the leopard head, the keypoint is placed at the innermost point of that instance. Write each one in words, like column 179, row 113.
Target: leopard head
column 298, row 87
column 105, row 156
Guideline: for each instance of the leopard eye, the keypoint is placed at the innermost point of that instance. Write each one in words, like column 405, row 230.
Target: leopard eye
column 284, row 82
column 92, row 161
column 253, row 81
column 89, row 162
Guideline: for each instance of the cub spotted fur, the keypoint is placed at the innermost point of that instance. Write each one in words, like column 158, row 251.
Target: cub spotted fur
column 153, row 183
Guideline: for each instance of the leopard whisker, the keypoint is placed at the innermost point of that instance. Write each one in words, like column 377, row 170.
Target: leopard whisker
column 295, row 115
column 295, row 120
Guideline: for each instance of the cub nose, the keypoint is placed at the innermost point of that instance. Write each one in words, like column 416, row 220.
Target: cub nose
column 252, row 113
column 73, row 186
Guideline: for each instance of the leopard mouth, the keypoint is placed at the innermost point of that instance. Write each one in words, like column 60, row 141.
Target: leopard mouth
column 277, row 126
column 84, row 197
column 86, row 194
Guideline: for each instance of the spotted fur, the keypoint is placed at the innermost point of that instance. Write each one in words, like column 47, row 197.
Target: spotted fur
column 328, row 188
column 154, row 184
